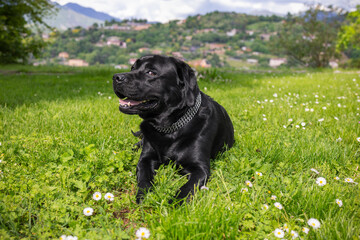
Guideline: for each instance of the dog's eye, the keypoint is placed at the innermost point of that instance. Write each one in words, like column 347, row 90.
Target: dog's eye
column 152, row 73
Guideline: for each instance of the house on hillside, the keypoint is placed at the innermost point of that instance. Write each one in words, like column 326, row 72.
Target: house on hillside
column 132, row 61
column 139, row 27
column 177, row 55
column 276, row 62
column 115, row 41
column 77, row 63
column 231, row 33
column 63, row 55
column 200, row 63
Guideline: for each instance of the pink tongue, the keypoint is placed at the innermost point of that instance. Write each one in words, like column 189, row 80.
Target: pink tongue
column 128, row 101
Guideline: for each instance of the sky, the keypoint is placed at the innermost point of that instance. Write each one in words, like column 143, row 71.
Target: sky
column 166, row 10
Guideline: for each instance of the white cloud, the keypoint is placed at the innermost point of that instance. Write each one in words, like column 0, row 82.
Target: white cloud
column 165, row 10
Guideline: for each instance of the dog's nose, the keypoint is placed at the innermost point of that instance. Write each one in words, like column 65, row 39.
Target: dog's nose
column 119, row 78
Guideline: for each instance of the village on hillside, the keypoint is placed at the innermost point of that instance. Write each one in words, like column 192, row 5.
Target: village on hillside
column 202, row 41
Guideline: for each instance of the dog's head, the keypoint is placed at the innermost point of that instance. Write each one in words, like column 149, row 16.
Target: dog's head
column 154, row 85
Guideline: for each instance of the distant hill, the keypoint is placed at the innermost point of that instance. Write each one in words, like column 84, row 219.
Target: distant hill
column 90, row 12
column 68, row 18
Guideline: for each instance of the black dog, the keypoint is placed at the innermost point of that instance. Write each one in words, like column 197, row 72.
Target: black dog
column 180, row 123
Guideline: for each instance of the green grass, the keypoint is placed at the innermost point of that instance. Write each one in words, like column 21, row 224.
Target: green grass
column 63, row 138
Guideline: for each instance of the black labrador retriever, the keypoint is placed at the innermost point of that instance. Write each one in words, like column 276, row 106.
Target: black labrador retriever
column 180, row 123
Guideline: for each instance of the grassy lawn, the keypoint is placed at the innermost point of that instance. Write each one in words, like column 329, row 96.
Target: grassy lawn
column 63, row 139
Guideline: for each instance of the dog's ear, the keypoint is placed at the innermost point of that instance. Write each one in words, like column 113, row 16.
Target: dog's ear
column 188, row 83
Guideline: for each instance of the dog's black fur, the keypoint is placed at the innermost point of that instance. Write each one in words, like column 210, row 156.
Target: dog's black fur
column 170, row 88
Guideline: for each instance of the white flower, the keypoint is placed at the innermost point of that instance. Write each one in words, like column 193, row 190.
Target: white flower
column 311, row 110
column 314, row 223
column 273, row 197
column 143, row 233
column 321, row 181
column 339, row 139
column 321, row 120
column 339, row 202
column 97, row 196
column 290, row 120
column 324, row 108
column 275, row 95
column 305, row 230
column 62, row 237
column 88, row 211
column 71, row 238
column 244, row 190
column 109, row 196
column 279, row 233
column 306, row 109
column 297, row 126
column 294, row 234
column 349, row 180
column 336, row 118
column 265, row 206
column 278, row 205
column 314, row 170
column 258, row 173
column 204, row 188
column 248, row 183
column 303, row 124
column 286, row 227
column 284, row 126
column 264, row 119
column 336, row 178
column 358, row 139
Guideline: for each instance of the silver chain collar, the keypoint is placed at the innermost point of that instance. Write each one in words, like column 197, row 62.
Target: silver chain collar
column 190, row 113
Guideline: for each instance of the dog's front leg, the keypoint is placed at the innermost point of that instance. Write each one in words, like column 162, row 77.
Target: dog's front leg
column 198, row 177
column 145, row 171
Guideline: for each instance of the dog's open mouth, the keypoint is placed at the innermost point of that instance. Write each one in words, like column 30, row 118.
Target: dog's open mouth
column 126, row 102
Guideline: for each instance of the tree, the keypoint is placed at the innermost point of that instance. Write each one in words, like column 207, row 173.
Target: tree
column 349, row 35
column 17, row 18
column 311, row 39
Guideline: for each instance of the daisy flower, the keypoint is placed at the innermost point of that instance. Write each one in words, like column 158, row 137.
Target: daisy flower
column 321, row 120
column 142, row 233
column 336, row 178
column 109, row 196
column 339, row 202
column 88, row 211
column 349, row 180
column 273, row 197
column 204, row 188
column 303, row 124
column 258, row 173
column 321, row 181
column 244, row 190
column 294, row 234
column 63, row 237
column 286, row 227
column 290, row 120
column 97, row 196
column 71, row 238
column 358, row 139
column 248, row 183
column 305, row 230
column 314, row 223
column 279, row 233
column 314, row 170
column 278, row 205
column 265, row 206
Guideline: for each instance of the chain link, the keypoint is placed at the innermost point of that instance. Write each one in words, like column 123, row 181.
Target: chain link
column 190, row 113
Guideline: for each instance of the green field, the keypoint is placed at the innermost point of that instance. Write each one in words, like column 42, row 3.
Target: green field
column 63, row 138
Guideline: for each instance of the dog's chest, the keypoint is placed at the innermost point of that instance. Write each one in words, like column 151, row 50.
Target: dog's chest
column 166, row 148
